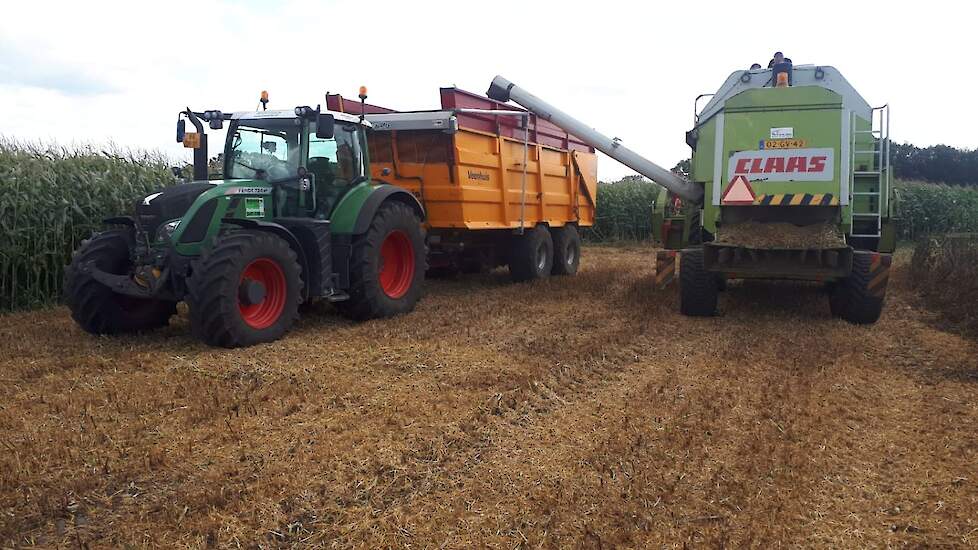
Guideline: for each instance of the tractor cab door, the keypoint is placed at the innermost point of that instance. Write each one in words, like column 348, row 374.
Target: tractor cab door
column 335, row 164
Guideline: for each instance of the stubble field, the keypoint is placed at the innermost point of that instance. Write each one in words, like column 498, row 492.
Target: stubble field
column 574, row 412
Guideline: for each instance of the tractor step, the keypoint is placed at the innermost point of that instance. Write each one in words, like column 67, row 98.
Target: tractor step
column 337, row 296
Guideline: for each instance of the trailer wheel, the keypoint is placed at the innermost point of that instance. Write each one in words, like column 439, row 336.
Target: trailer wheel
column 531, row 255
column 94, row 306
column 698, row 287
column 244, row 290
column 387, row 266
column 567, row 250
column 852, row 299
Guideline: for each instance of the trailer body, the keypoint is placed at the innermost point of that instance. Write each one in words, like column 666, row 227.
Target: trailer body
column 485, row 173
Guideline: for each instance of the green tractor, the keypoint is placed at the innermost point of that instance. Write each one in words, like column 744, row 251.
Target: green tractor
column 296, row 219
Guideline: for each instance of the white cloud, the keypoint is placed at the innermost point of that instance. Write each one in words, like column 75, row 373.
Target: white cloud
column 120, row 71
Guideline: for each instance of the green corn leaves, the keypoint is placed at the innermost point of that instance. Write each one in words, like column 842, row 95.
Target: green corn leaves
column 53, row 197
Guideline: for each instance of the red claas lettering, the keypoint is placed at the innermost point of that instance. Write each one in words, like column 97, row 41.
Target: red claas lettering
column 817, row 164
column 797, row 164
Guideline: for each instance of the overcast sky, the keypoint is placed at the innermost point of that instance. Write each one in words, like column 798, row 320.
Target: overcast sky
column 94, row 71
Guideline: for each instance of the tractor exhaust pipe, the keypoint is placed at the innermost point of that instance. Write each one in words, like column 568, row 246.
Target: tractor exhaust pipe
column 504, row 90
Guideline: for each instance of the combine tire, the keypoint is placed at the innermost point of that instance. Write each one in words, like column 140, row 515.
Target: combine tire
column 567, row 250
column 94, row 306
column 244, row 290
column 698, row 287
column 387, row 266
column 851, row 298
column 531, row 255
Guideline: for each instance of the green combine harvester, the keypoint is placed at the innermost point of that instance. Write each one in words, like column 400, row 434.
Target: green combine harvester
column 790, row 179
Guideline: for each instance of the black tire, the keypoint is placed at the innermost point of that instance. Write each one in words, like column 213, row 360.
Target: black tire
column 698, row 287
column 377, row 290
column 851, row 299
column 220, row 312
column 94, row 306
column 721, row 283
column 531, row 255
column 567, row 250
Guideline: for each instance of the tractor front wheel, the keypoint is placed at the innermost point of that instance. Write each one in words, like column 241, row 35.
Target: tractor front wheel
column 244, row 290
column 94, row 306
column 387, row 265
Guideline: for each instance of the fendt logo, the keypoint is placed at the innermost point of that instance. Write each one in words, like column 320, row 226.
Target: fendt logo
column 783, row 165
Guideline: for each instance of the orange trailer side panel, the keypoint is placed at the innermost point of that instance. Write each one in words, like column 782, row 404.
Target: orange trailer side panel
column 477, row 180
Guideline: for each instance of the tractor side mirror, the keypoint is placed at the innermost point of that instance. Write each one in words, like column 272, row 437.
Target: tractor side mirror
column 181, row 130
column 325, row 126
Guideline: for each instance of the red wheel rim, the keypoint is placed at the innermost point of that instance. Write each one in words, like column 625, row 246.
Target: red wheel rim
column 264, row 313
column 397, row 264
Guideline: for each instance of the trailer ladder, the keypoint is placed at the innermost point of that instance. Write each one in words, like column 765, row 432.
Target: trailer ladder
column 869, row 179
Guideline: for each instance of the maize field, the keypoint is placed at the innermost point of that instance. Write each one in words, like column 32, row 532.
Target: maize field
column 53, row 197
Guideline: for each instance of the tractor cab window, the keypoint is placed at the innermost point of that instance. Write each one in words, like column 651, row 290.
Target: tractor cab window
column 335, row 162
column 263, row 148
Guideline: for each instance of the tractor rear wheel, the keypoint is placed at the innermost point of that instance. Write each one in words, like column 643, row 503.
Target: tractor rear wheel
column 387, row 265
column 94, row 306
column 852, row 299
column 698, row 287
column 567, row 250
column 531, row 255
column 244, row 290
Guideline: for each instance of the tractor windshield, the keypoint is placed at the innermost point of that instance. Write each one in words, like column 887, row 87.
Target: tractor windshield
column 263, row 148
column 272, row 148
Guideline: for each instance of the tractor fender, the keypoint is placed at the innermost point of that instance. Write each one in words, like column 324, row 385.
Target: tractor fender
column 284, row 233
column 381, row 194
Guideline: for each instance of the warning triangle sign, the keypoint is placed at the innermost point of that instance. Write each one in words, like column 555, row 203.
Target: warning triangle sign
column 738, row 193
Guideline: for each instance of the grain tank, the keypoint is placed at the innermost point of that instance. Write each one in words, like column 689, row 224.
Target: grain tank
column 789, row 179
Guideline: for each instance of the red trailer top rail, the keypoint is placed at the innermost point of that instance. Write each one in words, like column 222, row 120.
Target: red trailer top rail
column 540, row 131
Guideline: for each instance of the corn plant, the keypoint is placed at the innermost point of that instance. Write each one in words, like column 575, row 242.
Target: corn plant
column 929, row 209
column 53, row 197
column 624, row 211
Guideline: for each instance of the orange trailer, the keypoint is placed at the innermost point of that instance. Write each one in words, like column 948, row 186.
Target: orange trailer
column 499, row 186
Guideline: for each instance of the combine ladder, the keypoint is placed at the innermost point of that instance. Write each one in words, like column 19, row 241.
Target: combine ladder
column 869, row 180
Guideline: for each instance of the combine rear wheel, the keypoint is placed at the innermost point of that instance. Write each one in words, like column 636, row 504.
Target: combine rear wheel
column 387, row 265
column 244, row 290
column 94, row 306
column 531, row 255
column 567, row 250
column 698, row 287
column 859, row 297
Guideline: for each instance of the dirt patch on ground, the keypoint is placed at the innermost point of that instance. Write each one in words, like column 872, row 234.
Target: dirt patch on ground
column 576, row 411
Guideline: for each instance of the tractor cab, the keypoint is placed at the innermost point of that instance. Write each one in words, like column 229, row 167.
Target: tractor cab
column 323, row 153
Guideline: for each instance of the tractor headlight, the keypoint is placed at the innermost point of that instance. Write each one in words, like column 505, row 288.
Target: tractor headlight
column 166, row 230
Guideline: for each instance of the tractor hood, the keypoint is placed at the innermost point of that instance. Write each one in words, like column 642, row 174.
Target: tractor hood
column 166, row 204
column 173, row 202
